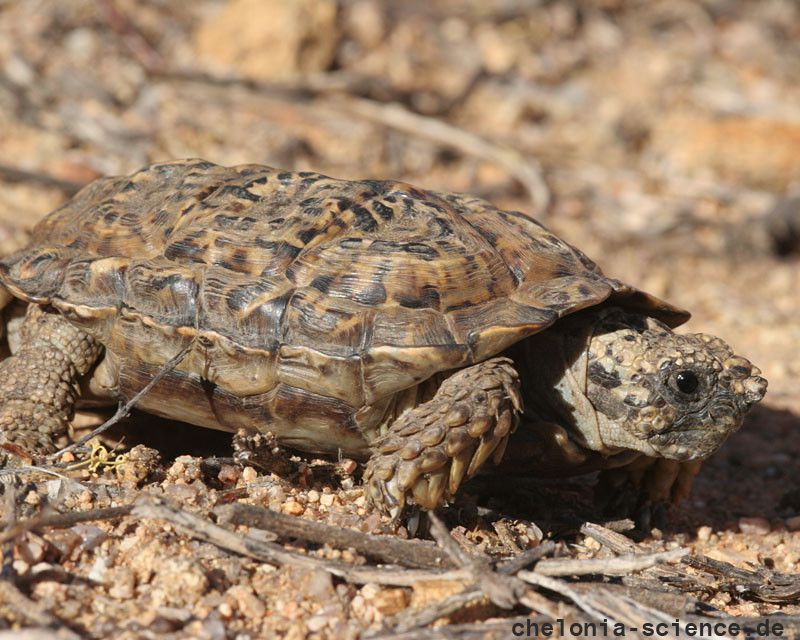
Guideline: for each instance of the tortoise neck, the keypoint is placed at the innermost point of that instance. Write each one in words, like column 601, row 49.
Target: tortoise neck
column 553, row 370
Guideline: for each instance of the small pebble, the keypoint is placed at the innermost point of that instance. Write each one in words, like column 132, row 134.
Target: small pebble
column 793, row 523
column 32, row 548
column 122, row 584
column 293, row 508
column 317, row 623
column 704, row 534
column 228, row 474
column 370, row 590
column 86, row 498
column 33, row 498
column 20, row 567
column 313, row 496
column 348, row 466
column 391, row 601
column 249, row 475
column 754, row 526
column 326, row 499
column 591, row 544
column 99, row 571
column 247, row 602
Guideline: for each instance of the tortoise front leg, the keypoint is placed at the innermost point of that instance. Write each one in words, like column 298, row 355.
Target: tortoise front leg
column 430, row 449
column 39, row 383
column 646, row 487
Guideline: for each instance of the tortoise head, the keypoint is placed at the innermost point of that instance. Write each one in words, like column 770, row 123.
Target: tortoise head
column 665, row 394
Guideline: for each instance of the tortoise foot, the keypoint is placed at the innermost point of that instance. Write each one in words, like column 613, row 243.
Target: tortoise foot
column 644, row 489
column 430, row 450
column 39, row 383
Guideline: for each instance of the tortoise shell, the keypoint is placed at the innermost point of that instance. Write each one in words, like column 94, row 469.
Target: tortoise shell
column 309, row 301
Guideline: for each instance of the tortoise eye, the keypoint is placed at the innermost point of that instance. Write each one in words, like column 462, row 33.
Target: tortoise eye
column 686, row 381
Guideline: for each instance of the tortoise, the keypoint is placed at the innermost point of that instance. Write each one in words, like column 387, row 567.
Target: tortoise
column 412, row 329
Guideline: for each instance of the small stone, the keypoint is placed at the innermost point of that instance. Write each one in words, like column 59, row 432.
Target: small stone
column 138, row 465
column 86, row 498
column 391, row 601
column 176, row 580
column 348, row 466
column 313, row 496
column 249, row 475
column 754, row 526
column 183, row 493
column 317, row 623
column 20, row 567
column 704, row 534
column 427, row 592
column 32, row 548
column 370, row 590
column 316, row 585
column 99, row 571
column 793, row 523
column 247, row 602
column 656, row 534
column 326, row 499
column 225, row 610
column 68, row 457
column 33, row 498
column 293, row 508
column 122, row 583
column 371, row 523
column 591, row 544
column 65, row 541
column 229, row 474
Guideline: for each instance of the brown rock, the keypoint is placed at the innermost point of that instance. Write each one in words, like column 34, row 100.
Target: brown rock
column 761, row 151
column 271, row 39
column 754, row 526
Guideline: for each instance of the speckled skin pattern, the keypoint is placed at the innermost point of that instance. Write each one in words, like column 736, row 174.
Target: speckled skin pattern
column 340, row 315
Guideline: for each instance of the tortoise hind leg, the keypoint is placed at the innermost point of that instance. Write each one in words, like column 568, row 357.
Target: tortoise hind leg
column 430, row 449
column 39, row 383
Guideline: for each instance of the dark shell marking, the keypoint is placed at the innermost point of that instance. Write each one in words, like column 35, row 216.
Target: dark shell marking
column 299, row 290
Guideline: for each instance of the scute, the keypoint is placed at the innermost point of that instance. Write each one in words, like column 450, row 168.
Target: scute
column 288, row 280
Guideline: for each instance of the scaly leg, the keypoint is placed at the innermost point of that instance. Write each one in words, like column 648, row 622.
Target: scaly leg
column 646, row 487
column 428, row 451
column 39, row 383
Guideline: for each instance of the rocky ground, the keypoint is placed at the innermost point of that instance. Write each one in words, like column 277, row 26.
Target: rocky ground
column 656, row 136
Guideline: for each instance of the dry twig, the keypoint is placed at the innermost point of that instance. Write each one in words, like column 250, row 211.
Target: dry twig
column 504, row 591
column 32, row 612
column 124, row 410
column 409, row 553
column 15, row 174
column 618, row 566
column 275, row 554
column 62, row 520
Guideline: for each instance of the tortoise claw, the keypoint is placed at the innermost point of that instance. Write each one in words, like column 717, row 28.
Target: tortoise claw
column 460, row 432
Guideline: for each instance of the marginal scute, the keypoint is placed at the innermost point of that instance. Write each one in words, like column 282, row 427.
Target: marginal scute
column 334, row 377
column 312, row 296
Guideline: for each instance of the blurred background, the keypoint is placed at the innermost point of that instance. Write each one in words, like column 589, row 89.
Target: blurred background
column 661, row 137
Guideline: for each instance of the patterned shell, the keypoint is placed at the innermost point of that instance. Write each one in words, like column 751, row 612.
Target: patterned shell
column 296, row 285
